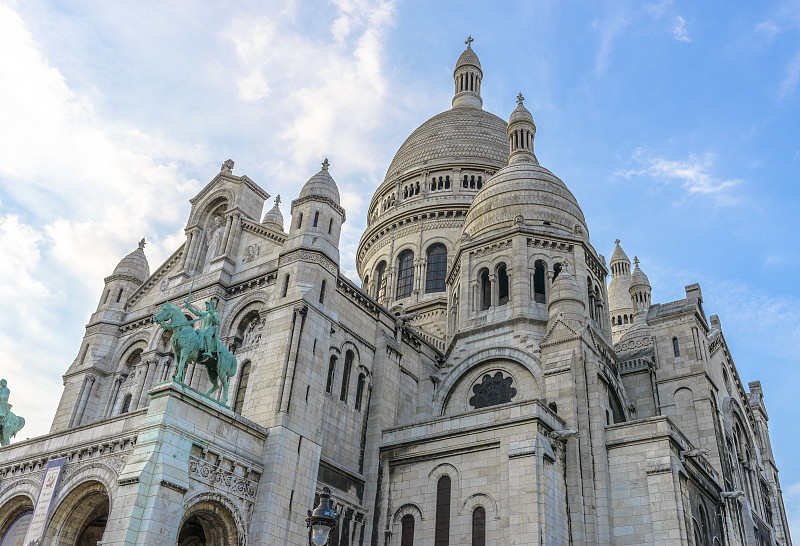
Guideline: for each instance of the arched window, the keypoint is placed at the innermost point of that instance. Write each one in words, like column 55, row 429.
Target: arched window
column 465, row 182
column 331, row 374
column 119, row 295
column 362, row 379
column 437, row 268
column 619, row 320
column 316, row 219
column 675, row 348
column 241, row 389
column 322, row 292
column 380, row 282
column 126, row 403
column 405, row 274
column 348, row 366
column 442, row 535
column 407, row 530
column 613, row 321
column 285, row 286
column 625, row 319
column 479, row 526
column 538, row 282
column 502, row 285
column 556, row 271
column 486, row 289
column 447, row 182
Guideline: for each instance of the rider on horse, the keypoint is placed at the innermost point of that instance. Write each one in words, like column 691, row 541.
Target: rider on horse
column 209, row 331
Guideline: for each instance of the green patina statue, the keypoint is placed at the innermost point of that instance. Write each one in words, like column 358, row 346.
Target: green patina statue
column 10, row 424
column 199, row 346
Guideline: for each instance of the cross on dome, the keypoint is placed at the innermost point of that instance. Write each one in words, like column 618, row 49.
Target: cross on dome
column 469, row 41
column 520, row 98
column 141, row 244
column 277, row 200
column 325, row 164
column 616, row 242
column 636, row 261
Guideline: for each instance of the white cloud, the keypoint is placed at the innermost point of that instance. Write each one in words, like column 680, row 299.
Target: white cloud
column 679, row 30
column 693, row 174
column 789, row 83
column 609, row 30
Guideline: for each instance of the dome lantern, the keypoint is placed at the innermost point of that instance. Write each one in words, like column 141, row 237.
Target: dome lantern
column 521, row 131
column 467, row 77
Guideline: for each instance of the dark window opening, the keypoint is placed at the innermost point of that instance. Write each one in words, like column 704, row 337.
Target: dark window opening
column 316, row 219
column 538, row 282
column 331, row 374
column 330, row 226
column 241, row 389
column 360, row 390
column 436, row 269
column 502, row 285
column 405, row 274
column 486, row 289
column 285, row 286
column 675, row 347
column 479, row 526
column 322, row 292
column 492, row 390
column 556, row 271
column 300, row 221
column 442, row 534
column 380, row 283
column 119, row 295
column 126, row 403
column 407, row 530
column 348, row 365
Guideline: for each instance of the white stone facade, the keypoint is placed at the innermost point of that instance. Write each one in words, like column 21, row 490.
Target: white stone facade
column 482, row 386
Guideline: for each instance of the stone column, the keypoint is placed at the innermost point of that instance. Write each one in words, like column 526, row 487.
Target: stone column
column 194, row 251
column 186, row 248
column 144, row 367
column 113, row 398
column 233, row 232
column 87, row 392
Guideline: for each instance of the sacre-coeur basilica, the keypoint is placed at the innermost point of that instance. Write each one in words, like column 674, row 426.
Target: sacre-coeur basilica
column 481, row 383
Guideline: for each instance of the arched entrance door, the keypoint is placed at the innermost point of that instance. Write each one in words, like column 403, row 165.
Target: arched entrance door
column 15, row 517
column 80, row 519
column 208, row 523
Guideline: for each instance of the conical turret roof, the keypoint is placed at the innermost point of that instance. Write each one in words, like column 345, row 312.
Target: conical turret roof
column 134, row 265
column 274, row 218
column 321, row 184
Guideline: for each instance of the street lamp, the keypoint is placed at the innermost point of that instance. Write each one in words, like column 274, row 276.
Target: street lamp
column 322, row 520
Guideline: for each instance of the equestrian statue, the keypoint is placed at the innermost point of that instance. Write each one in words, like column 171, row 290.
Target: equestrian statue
column 10, row 424
column 200, row 346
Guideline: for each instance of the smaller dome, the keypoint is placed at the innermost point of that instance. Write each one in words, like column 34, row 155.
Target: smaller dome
column 638, row 278
column 619, row 254
column 321, row 185
column 565, row 287
column 520, row 113
column 273, row 218
column 134, row 265
column 468, row 57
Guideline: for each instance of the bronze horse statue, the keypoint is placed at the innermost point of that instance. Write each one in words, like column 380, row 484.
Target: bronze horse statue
column 186, row 347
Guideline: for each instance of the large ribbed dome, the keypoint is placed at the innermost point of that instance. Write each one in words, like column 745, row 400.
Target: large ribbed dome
column 467, row 136
column 527, row 190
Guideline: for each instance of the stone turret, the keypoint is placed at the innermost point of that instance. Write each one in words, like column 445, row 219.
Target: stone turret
column 566, row 299
column 521, row 131
column 129, row 274
column 467, row 77
column 619, row 299
column 273, row 219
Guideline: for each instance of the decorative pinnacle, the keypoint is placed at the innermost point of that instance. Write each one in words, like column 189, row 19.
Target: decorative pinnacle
column 616, row 242
column 141, row 244
column 469, row 42
column 520, row 98
column 325, row 164
column 636, row 261
column 277, row 200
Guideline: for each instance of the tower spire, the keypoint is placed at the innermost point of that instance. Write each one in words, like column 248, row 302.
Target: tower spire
column 468, row 76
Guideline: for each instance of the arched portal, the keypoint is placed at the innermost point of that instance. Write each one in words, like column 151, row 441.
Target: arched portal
column 208, row 523
column 80, row 519
column 15, row 517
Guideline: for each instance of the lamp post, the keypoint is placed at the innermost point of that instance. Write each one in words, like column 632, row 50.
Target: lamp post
column 322, row 520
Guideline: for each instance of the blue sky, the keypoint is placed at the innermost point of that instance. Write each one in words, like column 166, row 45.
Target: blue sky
column 675, row 124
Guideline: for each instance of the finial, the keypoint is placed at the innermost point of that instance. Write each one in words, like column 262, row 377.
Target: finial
column 278, row 200
column 325, row 164
column 616, row 242
column 636, row 261
column 469, row 42
column 227, row 167
column 520, row 98
column 141, row 244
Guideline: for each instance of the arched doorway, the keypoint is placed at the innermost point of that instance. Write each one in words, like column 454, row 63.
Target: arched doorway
column 80, row 519
column 15, row 517
column 208, row 523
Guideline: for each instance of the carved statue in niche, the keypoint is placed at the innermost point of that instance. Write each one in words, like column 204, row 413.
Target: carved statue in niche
column 252, row 334
column 492, row 390
column 213, row 235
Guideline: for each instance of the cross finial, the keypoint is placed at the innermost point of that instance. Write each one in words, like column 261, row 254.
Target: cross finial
column 520, row 98
column 616, row 242
column 469, row 42
column 636, row 261
column 141, row 244
column 325, row 164
column 277, row 200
